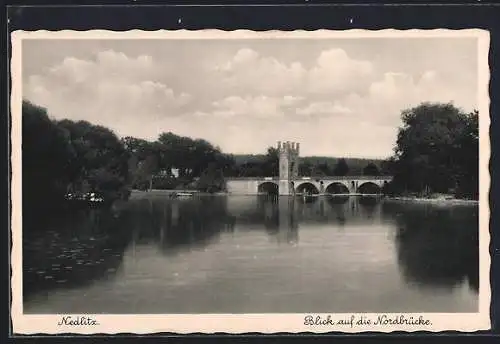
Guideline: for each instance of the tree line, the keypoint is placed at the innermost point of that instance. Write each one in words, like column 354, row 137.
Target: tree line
column 61, row 157
column 437, row 151
column 174, row 161
column 64, row 156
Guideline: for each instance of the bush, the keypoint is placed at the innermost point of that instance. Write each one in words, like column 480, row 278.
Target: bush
column 165, row 183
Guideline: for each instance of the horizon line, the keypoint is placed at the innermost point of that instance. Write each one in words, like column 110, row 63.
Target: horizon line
column 324, row 156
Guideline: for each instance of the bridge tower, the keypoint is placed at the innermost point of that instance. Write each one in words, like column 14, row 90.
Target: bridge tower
column 288, row 166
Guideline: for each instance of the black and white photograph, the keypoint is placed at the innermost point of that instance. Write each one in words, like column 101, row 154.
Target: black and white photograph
column 339, row 178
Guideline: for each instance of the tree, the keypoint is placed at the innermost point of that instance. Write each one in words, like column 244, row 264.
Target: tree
column 144, row 161
column 135, row 146
column 371, row 170
column 271, row 162
column 146, row 170
column 387, row 167
column 323, row 169
column 341, row 168
column 190, row 156
column 46, row 162
column 226, row 163
column 67, row 156
column 436, row 148
column 211, row 180
column 468, row 158
column 251, row 169
column 305, row 169
column 100, row 159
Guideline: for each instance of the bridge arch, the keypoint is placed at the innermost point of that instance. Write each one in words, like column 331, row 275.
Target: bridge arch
column 337, row 188
column 269, row 188
column 307, row 187
column 369, row 188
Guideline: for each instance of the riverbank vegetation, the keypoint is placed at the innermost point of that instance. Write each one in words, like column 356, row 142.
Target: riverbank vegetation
column 67, row 157
column 436, row 153
column 64, row 156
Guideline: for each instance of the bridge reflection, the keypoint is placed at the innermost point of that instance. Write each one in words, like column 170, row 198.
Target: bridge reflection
column 431, row 248
column 434, row 247
column 324, row 208
column 282, row 216
column 194, row 224
column 279, row 218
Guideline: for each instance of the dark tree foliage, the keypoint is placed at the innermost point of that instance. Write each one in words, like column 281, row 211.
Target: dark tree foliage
column 341, row 169
column 371, row 170
column 151, row 164
column 261, row 165
column 322, row 169
column 271, row 162
column 437, row 151
column 306, row 169
column 143, row 162
column 387, row 167
column 46, row 157
column 99, row 162
column 309, row 165
column 251, row 169
column 254, row 166
column 211, row 180
column 61, row 157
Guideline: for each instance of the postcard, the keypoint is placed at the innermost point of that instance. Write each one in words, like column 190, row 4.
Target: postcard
column 241, row 181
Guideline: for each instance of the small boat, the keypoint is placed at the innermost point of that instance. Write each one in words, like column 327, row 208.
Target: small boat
column 85, row 199
column 182, row 195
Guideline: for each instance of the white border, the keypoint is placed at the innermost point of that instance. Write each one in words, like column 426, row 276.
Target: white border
column 242, row 323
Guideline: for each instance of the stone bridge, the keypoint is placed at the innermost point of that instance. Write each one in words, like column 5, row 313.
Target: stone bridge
column 325, row 185
column 290, row 183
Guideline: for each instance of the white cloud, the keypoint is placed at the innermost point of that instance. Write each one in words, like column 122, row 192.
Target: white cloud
column 242, row 57
column 336, row 72
column 386, row 98
column 352, row 125
column 249, row 106
column 401, row 87
column 107, row 64
column 333, row 71
column 247, row 69
column 292, row 100
column 323, row 109
column 334, row 101
column 112, row 87
column 393, row 86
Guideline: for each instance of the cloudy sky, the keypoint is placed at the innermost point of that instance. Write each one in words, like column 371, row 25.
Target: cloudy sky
column 337, row 97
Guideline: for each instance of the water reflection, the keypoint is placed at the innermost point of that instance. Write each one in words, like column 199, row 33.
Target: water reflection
column 279, row 216
column 437, row 247
column 431, row 248
column 177, row 226
column 77, row 248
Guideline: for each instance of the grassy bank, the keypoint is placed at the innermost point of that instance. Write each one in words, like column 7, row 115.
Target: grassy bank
column 435, row 201
column 139, row 194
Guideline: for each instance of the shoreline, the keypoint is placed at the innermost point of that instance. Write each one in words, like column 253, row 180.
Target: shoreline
column 417, row 200
column 435, row 201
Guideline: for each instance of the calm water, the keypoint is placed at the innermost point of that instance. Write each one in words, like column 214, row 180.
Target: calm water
column 248, row 254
